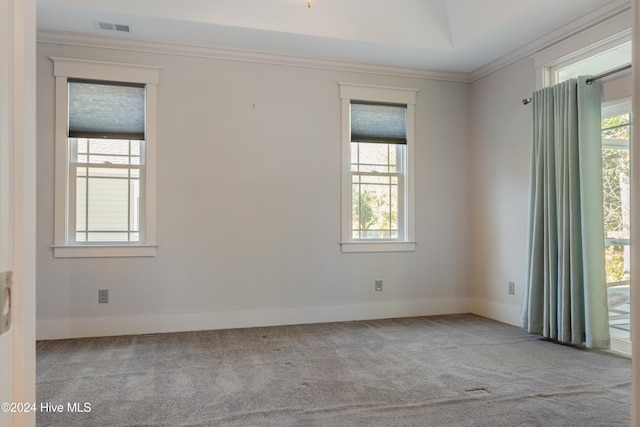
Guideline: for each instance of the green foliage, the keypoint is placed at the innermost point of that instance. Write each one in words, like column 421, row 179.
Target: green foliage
column 615, row 181
column 614, row 260
column 372, row 210
column 374, row 190
column 616, row 172
column 363, row 209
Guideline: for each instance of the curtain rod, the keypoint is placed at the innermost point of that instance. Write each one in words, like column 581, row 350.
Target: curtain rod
column 590, row 80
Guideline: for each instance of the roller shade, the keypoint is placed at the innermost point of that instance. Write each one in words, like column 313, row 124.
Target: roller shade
column 382, row 123
column 100, row 109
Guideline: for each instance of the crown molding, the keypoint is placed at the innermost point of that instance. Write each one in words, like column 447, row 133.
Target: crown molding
column 83, row 40
column 614, row 29
column 614, row 10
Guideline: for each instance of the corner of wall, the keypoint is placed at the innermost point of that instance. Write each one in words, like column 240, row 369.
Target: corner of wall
column 496, row 311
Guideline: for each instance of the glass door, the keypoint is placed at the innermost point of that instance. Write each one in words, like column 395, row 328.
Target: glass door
column 616, row 174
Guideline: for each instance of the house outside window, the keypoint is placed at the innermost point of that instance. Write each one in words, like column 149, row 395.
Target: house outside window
column 105, row 159
column 377, row 168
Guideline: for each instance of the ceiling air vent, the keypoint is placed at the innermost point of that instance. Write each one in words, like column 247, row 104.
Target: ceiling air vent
column 114, row 27
column 106, row 26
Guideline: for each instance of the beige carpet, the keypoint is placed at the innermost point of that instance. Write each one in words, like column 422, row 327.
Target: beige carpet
column 460, row 370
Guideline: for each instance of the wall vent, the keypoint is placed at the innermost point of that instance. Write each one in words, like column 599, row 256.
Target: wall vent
column 106, row 26
column 114, row 27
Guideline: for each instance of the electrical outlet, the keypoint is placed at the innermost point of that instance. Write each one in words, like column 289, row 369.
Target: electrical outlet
column 103, row 296
column 512, row 288
column 378, row 284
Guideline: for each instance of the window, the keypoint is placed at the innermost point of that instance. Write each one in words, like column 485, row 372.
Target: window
column 105, row 159
column 609, row 57
column 378, row 139
column 377, row 151
column 104, row 185
column 616, row 177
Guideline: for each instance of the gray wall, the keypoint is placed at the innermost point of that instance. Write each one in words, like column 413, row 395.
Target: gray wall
column 249, row 206
column 499, row 188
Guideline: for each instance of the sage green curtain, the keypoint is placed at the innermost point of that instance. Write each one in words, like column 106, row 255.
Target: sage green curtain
column 565, row 290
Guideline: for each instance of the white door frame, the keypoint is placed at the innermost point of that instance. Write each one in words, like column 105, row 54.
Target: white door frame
column 635, row 218
column 18, row 201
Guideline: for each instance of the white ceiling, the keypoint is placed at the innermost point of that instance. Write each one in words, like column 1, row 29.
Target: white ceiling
column 435, row 35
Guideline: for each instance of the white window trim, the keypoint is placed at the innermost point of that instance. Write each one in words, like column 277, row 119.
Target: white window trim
column 611, row 32
column 65, row 68
column 380, row 94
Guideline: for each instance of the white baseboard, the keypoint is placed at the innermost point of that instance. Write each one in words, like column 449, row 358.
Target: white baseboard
column 48, row 329
column 500, row 312
column 622, row 347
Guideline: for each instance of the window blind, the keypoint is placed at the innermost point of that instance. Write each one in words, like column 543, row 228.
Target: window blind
column 381, row 123
column 112, row 110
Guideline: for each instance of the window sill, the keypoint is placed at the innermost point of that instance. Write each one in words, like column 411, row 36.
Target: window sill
column 104, row 251
column 351, row 247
